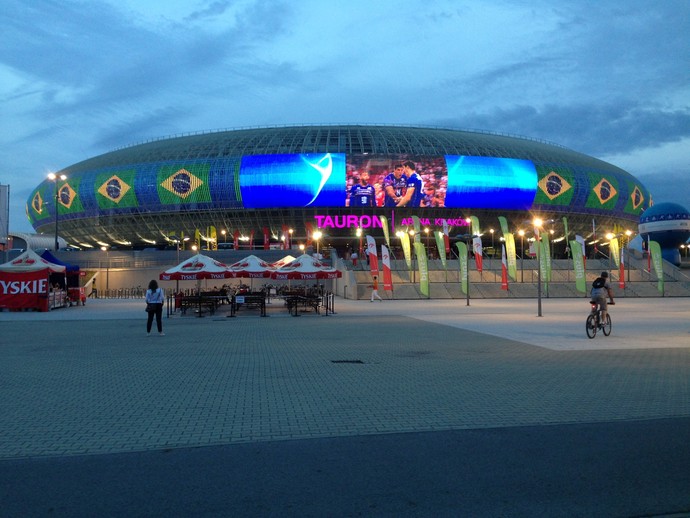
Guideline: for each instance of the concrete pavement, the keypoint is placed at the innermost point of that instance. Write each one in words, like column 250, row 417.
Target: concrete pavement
column 373, row 398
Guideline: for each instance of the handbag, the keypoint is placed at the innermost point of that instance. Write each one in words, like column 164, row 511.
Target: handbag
column 150, row 307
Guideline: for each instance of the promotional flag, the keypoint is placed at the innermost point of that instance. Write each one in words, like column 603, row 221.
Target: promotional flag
column 580, row 249
column 504, row 269
column 416, row 224
column 310, row 232
column 621, row 275
column 213, row 238
column 545, row 258
column 251, row 240
column 267, row 239
column 236, row 237
column 655, row 252
column 405, row 242
column 567, row 236
column 511, row 256
column 373, row 258
column 440, row 244
column 477, row 249
column 614, row 251
column 197, row 238
column 446, row 235
column 462, row 256
column 578, row 266
column 420, row 252
column 387, row 277
column 475, row 226
column 386, row 233
column 285, row 237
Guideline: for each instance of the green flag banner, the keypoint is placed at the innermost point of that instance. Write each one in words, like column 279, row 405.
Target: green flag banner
column 462, row 256
column 655, row 251
column 504, row 225
column 475, row 226
column 578, row 266
column 545, row 258
column 420, row 252
column 441, row 246
column 116, row 189
column 416, row 224
column 183, row 185
column 614, row 252
column 511, row 257
column 386, row 232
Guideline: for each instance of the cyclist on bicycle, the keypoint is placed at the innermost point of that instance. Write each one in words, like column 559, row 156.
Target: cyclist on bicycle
column 600, row 290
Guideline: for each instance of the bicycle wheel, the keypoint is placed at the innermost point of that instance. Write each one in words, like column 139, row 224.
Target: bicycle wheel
column 591, row 326
column 606, row 328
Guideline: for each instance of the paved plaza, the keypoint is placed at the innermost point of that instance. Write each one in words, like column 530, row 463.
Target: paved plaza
column 85, row 386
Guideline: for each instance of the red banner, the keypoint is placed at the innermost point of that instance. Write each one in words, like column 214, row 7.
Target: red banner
column 267, row 239
column 25, row 290
column 387, row 278
column 477, row 249
column 373, row 257
column 236, row 235
column 621, row 275
column 504, row 269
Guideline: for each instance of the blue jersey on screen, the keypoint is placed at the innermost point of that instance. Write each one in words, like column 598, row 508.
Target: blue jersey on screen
column 398, row 184
column 414, row 180
column 362, row 195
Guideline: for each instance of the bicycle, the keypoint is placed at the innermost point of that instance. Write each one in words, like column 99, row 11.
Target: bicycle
column 594, row 321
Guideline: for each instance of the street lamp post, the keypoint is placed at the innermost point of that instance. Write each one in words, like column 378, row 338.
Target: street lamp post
column 522, row 255
column 317, row 235
column 54, row 178
column 537, row 224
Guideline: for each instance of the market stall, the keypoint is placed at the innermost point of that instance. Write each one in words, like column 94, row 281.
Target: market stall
column 73, row 275
column 25, row 284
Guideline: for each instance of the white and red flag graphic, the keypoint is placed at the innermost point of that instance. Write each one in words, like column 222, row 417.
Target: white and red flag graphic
column 621, row 279
column 504, row 269
column 373, row 257
column 477, row 249
column 446, row 238
column 267, row 239
column 387, row 277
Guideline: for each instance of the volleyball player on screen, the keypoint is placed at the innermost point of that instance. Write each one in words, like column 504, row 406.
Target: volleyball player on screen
column 414, row 190
column 363, row 194
column 394, row 185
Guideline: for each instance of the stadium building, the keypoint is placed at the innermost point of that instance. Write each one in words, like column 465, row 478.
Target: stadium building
column 255, row 185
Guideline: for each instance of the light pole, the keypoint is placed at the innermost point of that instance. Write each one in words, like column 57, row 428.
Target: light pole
column 537, row 224
column 521, row 233
column 628, row 233
column 493, row 250
column 317, row 235
column 54, row 178
column 107, row 269
column 426, row 231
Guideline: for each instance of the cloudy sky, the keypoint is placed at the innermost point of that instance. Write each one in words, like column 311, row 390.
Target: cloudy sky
column 604, row 77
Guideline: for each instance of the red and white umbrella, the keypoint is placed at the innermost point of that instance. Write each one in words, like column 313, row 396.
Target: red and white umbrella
column 197, row 268
column 251, row 267
column 285, row 260
column 306, row 267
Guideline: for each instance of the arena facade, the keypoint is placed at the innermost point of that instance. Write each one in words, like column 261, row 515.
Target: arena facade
column 249, row 185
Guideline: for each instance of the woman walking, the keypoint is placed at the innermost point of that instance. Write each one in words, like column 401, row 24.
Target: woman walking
column 154, row 306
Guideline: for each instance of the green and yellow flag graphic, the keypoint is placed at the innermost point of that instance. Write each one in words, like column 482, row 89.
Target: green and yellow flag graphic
column 441, row 247
column 511, row 256
column 181, row 185
column 614, row 252
column 417, row 229
column 116, row 190
column 603, row 193
column 555, row 186
column 655, row 251
column 405, row 242
column 386, row 230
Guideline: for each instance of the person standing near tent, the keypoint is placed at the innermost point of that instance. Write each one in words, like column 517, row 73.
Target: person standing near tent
column 375, row 289
column 154, row 307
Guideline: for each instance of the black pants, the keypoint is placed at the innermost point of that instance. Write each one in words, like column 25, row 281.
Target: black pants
column 159, row 318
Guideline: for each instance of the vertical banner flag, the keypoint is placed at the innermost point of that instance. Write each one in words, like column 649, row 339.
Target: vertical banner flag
column 251, row 240
column 621, row 275
column 462, row 256
column 649, row 255
column 267, row 239
column 441, row 245
column 578, row 266
column 284, row 237
column 446, row 235
column 213, row 241
column 567, row 236
column 373, row 258
column 504, row 269
column 475, row 226
column 420, row 252
column 594, row 237
column 510, row 248
column 310, row 233
column 477, row 249
column 580, row 250
column 416, row 224
column 197, row 239
column 386, row 233
column 655, row 252
column 405, row 243
column 545, row 258
column 387, row 277
column 614, row 251
column 236, row 236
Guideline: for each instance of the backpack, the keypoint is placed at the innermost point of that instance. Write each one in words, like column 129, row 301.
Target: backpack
column 598, row 283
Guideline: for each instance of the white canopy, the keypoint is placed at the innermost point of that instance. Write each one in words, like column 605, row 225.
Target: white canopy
column 30, row 261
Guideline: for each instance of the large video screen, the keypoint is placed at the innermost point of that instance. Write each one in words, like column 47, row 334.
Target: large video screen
column 303, row 180
column 360, row 181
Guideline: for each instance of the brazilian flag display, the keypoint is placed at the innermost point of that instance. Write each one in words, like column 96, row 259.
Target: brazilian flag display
column 555, row 186
column 603, row 192
column 37, row 209
column 184, row 184
column 116, row 190
column 69, row 201
column 636, row 200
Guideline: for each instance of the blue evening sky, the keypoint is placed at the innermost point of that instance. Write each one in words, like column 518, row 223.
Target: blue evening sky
column 607, row 78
